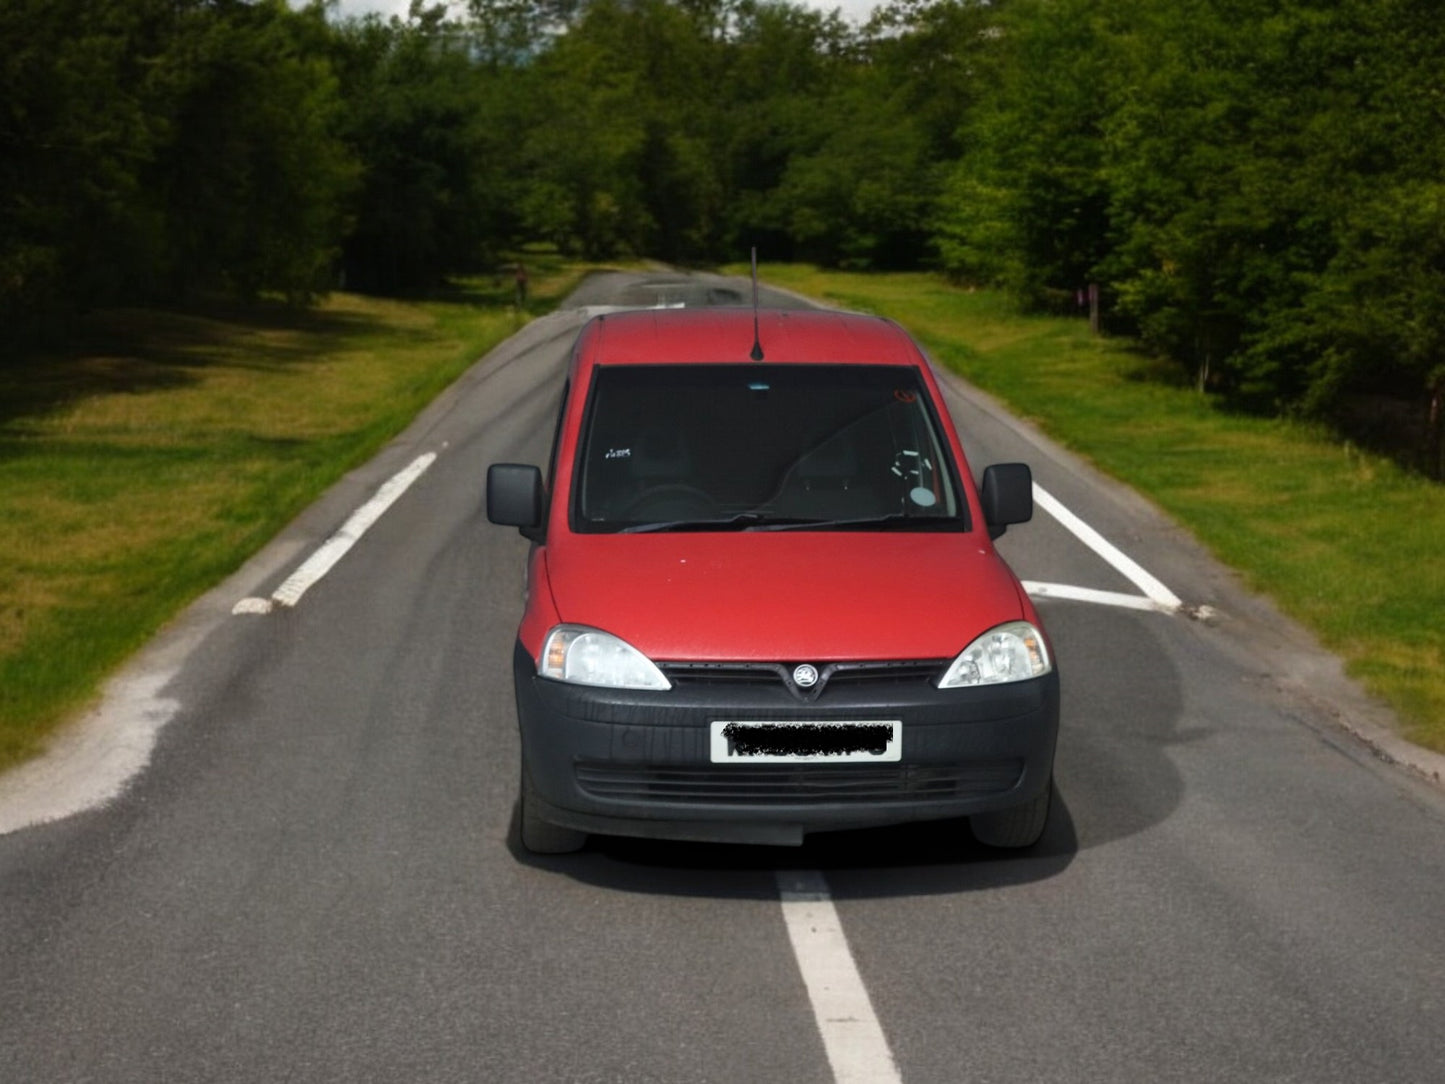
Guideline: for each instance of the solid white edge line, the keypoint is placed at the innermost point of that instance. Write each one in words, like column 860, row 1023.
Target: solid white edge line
column 1152, row 588
column 334, row 548
column 1089, row 594
column 857, row 1050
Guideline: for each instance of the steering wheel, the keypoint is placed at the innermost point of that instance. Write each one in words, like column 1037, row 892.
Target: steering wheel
column 670, row 500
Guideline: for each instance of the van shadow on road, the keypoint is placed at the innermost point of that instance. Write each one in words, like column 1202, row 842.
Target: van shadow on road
column 917, row 859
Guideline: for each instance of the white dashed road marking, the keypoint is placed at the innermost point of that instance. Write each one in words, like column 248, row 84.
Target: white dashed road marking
column 334, row 548
column 858, row 1051
column 1089, row 594
column 1156, row 595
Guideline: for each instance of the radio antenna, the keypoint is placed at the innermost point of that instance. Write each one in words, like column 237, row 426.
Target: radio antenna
column 757, row 354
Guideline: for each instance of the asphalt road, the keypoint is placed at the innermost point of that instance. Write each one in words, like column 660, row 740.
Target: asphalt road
column 317, row 878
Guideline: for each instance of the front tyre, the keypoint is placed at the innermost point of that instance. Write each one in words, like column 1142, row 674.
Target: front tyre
column 1021, row 826
column 539, row 836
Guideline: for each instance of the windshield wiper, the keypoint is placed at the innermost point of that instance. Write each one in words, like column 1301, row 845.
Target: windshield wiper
column 743, row 521
column 903, row 520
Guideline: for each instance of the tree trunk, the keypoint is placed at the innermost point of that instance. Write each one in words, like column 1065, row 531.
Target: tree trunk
column 1435, row 433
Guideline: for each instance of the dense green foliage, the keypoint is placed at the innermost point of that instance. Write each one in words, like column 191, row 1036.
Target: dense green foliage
column 151, row 148
column 1253, row 185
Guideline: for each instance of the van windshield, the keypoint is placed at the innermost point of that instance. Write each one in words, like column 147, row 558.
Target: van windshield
column 762, row 447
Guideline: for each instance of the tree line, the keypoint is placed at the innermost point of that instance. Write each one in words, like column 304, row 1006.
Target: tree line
column 1257, row 185
column 1253, row 188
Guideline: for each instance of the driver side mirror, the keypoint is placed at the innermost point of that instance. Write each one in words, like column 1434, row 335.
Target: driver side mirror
column 516, row 498
column 1007, row 495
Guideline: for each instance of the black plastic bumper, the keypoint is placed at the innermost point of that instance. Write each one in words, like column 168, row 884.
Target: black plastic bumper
column 622, row 762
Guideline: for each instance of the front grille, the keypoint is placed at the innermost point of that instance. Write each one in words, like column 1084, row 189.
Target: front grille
column 798, row 784
column 880, row 673
column 773, row 674
column 718, row 673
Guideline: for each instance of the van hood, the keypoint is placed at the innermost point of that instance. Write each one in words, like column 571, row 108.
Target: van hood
column 784, row 596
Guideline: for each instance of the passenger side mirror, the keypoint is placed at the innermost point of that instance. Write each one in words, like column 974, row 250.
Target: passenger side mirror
column 515, row 498
column 1007, row 495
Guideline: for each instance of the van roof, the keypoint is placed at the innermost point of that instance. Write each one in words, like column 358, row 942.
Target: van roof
column 713, row 335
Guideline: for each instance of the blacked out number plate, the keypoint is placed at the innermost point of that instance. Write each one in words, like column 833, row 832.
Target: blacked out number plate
column 793, row 742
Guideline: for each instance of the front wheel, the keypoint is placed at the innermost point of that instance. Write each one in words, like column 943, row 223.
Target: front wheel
column 1021, row 826
column 539, row 836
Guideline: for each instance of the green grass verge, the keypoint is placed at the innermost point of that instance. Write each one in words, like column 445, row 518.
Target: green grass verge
column 145, row 464
column 1347, row 543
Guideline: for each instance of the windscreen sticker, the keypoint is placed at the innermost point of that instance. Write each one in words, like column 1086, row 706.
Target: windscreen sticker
column 911, row 464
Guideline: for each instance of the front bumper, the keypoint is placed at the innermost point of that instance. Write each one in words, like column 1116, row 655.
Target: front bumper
column 634, row 763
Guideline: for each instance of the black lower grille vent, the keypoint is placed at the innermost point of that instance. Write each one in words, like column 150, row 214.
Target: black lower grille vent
column 798, row 783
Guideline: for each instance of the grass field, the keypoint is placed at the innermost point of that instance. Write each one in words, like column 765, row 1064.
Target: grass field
column 1347, row 543
column 146, row 463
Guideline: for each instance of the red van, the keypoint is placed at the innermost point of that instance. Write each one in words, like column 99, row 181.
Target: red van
column 763, row 597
